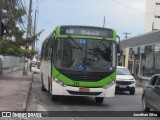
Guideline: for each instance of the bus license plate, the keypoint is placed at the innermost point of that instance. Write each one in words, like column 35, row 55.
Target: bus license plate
column 84, row 90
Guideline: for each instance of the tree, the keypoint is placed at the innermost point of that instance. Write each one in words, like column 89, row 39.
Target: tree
column 15, row 15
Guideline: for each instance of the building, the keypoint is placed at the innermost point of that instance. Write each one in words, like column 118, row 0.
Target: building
column 141, row 54
column 152, row 15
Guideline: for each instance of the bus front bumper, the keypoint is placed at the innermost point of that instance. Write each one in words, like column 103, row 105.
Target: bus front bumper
column 58, row 89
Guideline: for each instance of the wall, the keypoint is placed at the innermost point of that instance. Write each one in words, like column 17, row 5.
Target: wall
column 141, row 81
column 11, row 63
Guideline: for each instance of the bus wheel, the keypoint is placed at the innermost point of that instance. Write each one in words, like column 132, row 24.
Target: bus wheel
column 54, row 97
column 43, row 89
column 99, row 99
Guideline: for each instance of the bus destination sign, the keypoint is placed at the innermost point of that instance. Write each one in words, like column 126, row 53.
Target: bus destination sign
column 86, row 31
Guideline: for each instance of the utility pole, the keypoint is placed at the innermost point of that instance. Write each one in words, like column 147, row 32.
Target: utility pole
column 34, row 29
column 0, row 21
column 0, row 17
column 29, row 26
column 126, row 34
column 29, row 29
column 104, row 21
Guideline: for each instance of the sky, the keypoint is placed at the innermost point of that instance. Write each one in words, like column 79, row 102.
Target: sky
column 121, row 15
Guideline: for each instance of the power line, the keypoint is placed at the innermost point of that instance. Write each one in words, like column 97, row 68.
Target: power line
column 25, row 6
column 21, row 6
column 24, row 9
column 113, row 26
column 12, row 10
column 37, row 5
column 132, row 8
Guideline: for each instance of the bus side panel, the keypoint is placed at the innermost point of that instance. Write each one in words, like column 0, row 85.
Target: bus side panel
column 46, row 70
column 110, row 92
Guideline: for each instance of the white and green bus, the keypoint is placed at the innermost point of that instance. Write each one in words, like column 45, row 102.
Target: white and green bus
column 79, row 61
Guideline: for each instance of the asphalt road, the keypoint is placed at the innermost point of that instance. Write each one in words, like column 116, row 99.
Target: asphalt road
column 123, row 101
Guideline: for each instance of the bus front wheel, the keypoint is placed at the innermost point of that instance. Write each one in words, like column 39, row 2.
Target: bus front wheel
column 43, row 88
column 99, row 99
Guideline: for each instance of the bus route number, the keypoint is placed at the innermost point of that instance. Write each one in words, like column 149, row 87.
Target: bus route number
column 76, row 83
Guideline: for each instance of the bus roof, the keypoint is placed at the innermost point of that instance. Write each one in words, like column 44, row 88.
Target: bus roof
column 80, row 30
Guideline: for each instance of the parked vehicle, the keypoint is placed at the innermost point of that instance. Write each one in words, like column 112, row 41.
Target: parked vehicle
column 151, row 94
column 35, row 66
column 124, row 80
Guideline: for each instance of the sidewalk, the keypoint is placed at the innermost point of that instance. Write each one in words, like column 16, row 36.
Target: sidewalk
column 14, row 91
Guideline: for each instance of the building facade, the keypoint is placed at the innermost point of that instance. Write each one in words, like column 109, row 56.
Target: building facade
column 141, row 54
column 152, row 15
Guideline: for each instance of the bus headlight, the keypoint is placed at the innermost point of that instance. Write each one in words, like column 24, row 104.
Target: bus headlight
column 59, row 82
column 109, row 85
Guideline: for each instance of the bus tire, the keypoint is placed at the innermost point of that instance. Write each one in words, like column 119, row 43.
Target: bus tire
column 99, row 99
column 49, row 84
column 43, row 88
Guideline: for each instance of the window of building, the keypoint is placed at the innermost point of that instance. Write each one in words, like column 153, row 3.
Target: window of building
column 157, row 16
column 157, row 3
column 153, row 80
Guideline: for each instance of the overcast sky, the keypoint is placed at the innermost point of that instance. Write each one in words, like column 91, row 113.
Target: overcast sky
column 125, row 16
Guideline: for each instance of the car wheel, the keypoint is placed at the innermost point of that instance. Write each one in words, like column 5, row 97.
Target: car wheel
column 144, row 105
column 132, row 91
column 99, row 99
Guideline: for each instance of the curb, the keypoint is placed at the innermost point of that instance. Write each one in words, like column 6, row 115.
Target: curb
column 25, row 105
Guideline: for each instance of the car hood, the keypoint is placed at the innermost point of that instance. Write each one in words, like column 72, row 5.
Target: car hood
column 124, row 77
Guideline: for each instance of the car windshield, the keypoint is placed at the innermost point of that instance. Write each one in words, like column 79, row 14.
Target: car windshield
column 85, row 55
column 123, row 71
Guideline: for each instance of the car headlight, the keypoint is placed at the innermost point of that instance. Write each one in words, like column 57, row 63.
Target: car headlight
column 59, row 82
column 133, row 82
column 109, row 85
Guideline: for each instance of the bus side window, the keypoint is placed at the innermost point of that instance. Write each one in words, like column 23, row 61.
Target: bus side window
column 43, row 52
column 53, row 48
column 48, row 51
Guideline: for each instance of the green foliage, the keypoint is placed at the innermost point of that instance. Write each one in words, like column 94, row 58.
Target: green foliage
column 8, row 47
column 16, row 16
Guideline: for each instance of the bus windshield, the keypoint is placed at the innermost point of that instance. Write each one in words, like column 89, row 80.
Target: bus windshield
column 91, row 55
